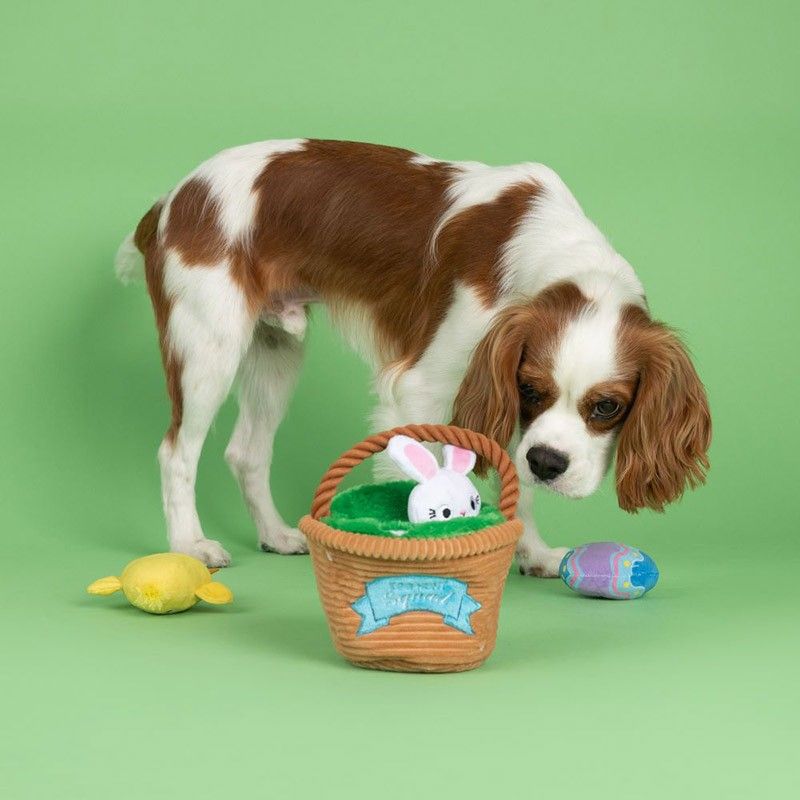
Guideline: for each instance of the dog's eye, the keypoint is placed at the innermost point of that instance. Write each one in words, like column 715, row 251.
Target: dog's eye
column 529, row 394
column 606, row 409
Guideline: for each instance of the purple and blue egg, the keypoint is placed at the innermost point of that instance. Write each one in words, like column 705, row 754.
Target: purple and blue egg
column 609, row 569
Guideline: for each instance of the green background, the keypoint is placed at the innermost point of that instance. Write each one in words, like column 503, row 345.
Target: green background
column 676, row 124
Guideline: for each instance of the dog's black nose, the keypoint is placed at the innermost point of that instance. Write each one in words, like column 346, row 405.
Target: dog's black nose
column 546, row 463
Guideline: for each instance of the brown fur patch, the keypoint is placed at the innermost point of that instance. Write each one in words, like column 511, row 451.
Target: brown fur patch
column 471, row 244
column 147, row 240
column 536, row 375
column 621, row 391
column 518, row 349
column 352, row 223
column 665, row 438
column 147, row 228
column 193, row 227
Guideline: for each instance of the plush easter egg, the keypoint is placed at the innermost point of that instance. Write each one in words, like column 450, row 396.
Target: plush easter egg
column 609, row 569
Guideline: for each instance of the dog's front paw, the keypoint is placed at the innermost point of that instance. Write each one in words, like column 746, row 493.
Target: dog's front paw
column 210, row 552
column 287, row 541
column 541, row 563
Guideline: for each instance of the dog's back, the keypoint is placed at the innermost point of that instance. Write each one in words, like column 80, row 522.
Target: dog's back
column 355, row 225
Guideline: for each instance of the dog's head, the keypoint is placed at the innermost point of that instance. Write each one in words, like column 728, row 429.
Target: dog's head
column 578, row 377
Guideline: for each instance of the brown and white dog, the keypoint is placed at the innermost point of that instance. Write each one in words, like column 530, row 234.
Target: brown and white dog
column 479, row 295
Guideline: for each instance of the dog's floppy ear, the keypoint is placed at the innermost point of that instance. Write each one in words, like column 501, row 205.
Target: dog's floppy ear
column 488, row 398
column 663, row 443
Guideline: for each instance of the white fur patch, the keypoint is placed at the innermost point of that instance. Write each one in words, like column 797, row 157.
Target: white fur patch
column 209, row 311
column 555, row 241
column 425, row 392
column 231, row 174
column 129, row 262
column 420, row 160
column 475, row 184
column 585, row 354
column 584, row 358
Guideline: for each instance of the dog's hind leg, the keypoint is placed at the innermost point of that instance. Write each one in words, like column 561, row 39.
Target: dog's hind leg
column 206, row 330
column 267, row 377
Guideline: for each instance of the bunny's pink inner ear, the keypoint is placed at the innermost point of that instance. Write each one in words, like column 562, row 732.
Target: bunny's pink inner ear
column 422, row 459
column 458, row 459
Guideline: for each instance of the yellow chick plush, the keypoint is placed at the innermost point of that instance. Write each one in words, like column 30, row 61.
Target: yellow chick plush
column 165, row 583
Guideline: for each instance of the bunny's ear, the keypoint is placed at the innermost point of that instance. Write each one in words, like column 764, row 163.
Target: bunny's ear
column 458, row 459
column 415, row 460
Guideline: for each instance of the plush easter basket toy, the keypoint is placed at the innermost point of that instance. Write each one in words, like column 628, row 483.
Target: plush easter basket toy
column 373, row 587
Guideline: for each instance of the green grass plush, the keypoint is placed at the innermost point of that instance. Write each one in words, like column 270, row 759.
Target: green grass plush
column 381, row 508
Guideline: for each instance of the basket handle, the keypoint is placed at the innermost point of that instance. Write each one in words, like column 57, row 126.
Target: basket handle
column 444, row 434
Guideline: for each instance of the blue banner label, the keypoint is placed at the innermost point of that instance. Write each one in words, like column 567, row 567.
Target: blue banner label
column 393, row 595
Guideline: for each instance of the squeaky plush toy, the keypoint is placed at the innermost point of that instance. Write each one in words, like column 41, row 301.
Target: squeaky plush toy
column 165, row 583
column 609, row 569
column 443, row 492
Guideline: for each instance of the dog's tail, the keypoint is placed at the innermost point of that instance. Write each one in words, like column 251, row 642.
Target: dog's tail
column 129, row 261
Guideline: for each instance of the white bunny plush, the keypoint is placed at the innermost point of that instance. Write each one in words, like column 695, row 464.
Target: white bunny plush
column 443, row 493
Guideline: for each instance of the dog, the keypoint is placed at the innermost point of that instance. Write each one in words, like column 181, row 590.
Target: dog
column 479, row 295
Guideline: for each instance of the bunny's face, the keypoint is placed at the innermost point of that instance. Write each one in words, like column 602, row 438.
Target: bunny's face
column 447, row 497
column 443, row 492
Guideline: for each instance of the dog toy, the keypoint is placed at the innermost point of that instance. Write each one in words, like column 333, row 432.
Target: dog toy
column 609, row 569
column 443, row 492
column 165, row 583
